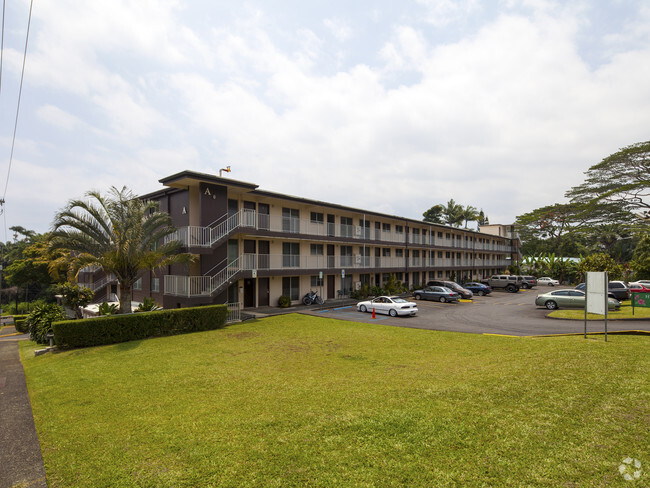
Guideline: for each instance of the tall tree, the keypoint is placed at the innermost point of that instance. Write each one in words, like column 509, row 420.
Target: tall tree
column 433, row 215
column 453, row 213
column 120, row 233
column 622, row 178
column 470, row 214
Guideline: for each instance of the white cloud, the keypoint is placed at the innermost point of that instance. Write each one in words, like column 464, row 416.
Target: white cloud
column 131, row 93
column 339, row 29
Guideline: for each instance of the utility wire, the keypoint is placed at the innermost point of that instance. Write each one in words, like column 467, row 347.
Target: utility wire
column 20, row 91
column 2, row 42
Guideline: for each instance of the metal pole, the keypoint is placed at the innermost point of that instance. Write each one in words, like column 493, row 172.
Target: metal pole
column 606, row 302
column 586, row 295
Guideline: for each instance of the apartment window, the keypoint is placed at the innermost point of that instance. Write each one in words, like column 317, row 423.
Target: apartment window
column 439, row 235
column 385, row 227
column 317, row 218
column 290, row 285
column 290, row 220
column 447, row 254
column 399, row 276
column 440, row 254
column 399, row 229
column 155, row 285
column 399, row 253
column 138, row 284
column 386, row 252
column 316, row 249
column 316, row 282
column 290, row 254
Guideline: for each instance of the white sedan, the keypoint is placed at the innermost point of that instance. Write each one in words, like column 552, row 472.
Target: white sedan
column 392, row 306
column 547, row 281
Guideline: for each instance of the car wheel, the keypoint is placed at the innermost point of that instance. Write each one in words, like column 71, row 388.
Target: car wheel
column 418, row 296
column 363, row 308
column 442, row 299
column 550, row 284
column 524, row 286
column 392, row 312
column 511, row 288
column 480, row 293
column 551, row 305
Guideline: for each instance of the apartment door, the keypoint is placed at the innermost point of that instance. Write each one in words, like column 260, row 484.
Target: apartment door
column 331, row 285
column 249, row 254
column 331, row 261
column 263, row 258
column 263, row 217
column 262, row 292
column 249, row 292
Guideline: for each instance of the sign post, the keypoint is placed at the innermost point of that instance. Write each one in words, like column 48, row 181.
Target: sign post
column 596, row 298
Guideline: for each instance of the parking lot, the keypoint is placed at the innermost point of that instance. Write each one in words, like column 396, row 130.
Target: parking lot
column 498, row 313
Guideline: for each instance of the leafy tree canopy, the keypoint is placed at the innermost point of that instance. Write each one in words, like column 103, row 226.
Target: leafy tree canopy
column 602, row 262
column 433, row 215
column 622, row 178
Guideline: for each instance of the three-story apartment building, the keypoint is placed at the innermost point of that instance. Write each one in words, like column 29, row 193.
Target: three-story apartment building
column 253, row 246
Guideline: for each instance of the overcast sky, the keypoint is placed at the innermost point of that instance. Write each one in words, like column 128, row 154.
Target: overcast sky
column 382, row 105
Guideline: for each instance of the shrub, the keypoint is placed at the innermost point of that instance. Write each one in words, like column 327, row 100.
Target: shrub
column 284, row 301
column 106, row 308
column 40, row 321
column 134, row 326
column 20, row 323
column 148, row 305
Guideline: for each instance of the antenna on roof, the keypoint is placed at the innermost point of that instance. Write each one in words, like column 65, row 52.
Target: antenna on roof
column 226, row 169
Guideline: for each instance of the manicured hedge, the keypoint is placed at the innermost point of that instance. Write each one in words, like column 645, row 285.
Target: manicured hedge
column 20, row 323
column 129, row 327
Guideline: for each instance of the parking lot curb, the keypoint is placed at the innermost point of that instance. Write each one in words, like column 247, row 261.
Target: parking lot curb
column 615, row 332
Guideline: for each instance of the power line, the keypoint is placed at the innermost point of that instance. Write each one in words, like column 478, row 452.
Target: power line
column 20, row 92
column 2, row 42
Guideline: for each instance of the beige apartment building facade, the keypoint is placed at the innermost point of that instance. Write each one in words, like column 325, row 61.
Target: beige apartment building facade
column 253, row 246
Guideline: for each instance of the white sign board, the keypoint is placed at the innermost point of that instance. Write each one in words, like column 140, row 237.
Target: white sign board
column 596, row 282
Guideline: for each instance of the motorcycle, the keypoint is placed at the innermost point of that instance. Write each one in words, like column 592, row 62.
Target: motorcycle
column 311, row 298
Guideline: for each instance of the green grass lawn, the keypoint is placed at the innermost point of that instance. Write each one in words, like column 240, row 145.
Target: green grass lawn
column 302, row 401
column 625, row 312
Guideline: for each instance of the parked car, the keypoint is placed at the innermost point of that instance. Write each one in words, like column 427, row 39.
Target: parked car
column 547, row 281
column 639, row 287
column 583, row 287
column 509, row 283
column 569, row 299
column 478, row 288
column 437, row 293
column 392, row 306
column 463, row 292
column 528, row 282
column 619, row 289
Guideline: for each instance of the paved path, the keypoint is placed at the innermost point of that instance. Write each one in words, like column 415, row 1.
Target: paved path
column 21, row 463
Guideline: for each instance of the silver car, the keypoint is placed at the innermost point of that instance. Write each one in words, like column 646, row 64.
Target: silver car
column 569, row 299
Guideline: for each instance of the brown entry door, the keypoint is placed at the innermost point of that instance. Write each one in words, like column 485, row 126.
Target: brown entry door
column 249, row 292
column 263, row 292
column 331, row 284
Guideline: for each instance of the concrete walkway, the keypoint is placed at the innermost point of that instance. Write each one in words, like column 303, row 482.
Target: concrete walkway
column 21, row 464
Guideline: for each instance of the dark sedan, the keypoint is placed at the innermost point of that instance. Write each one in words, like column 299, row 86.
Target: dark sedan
column 478, row 288
column 436, row 293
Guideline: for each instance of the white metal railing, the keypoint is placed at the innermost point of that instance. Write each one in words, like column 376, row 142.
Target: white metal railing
column 96, row 285
column 234, row 312
column 196, row 236
column 193, row 286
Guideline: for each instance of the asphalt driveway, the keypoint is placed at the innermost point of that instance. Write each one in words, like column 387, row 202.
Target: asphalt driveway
column 498, row 313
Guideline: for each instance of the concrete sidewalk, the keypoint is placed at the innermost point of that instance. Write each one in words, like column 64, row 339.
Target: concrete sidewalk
column 21, row 463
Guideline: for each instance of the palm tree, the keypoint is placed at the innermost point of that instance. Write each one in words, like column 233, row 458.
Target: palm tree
column 470, row 214
column 120, row 233
column 453, row 213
